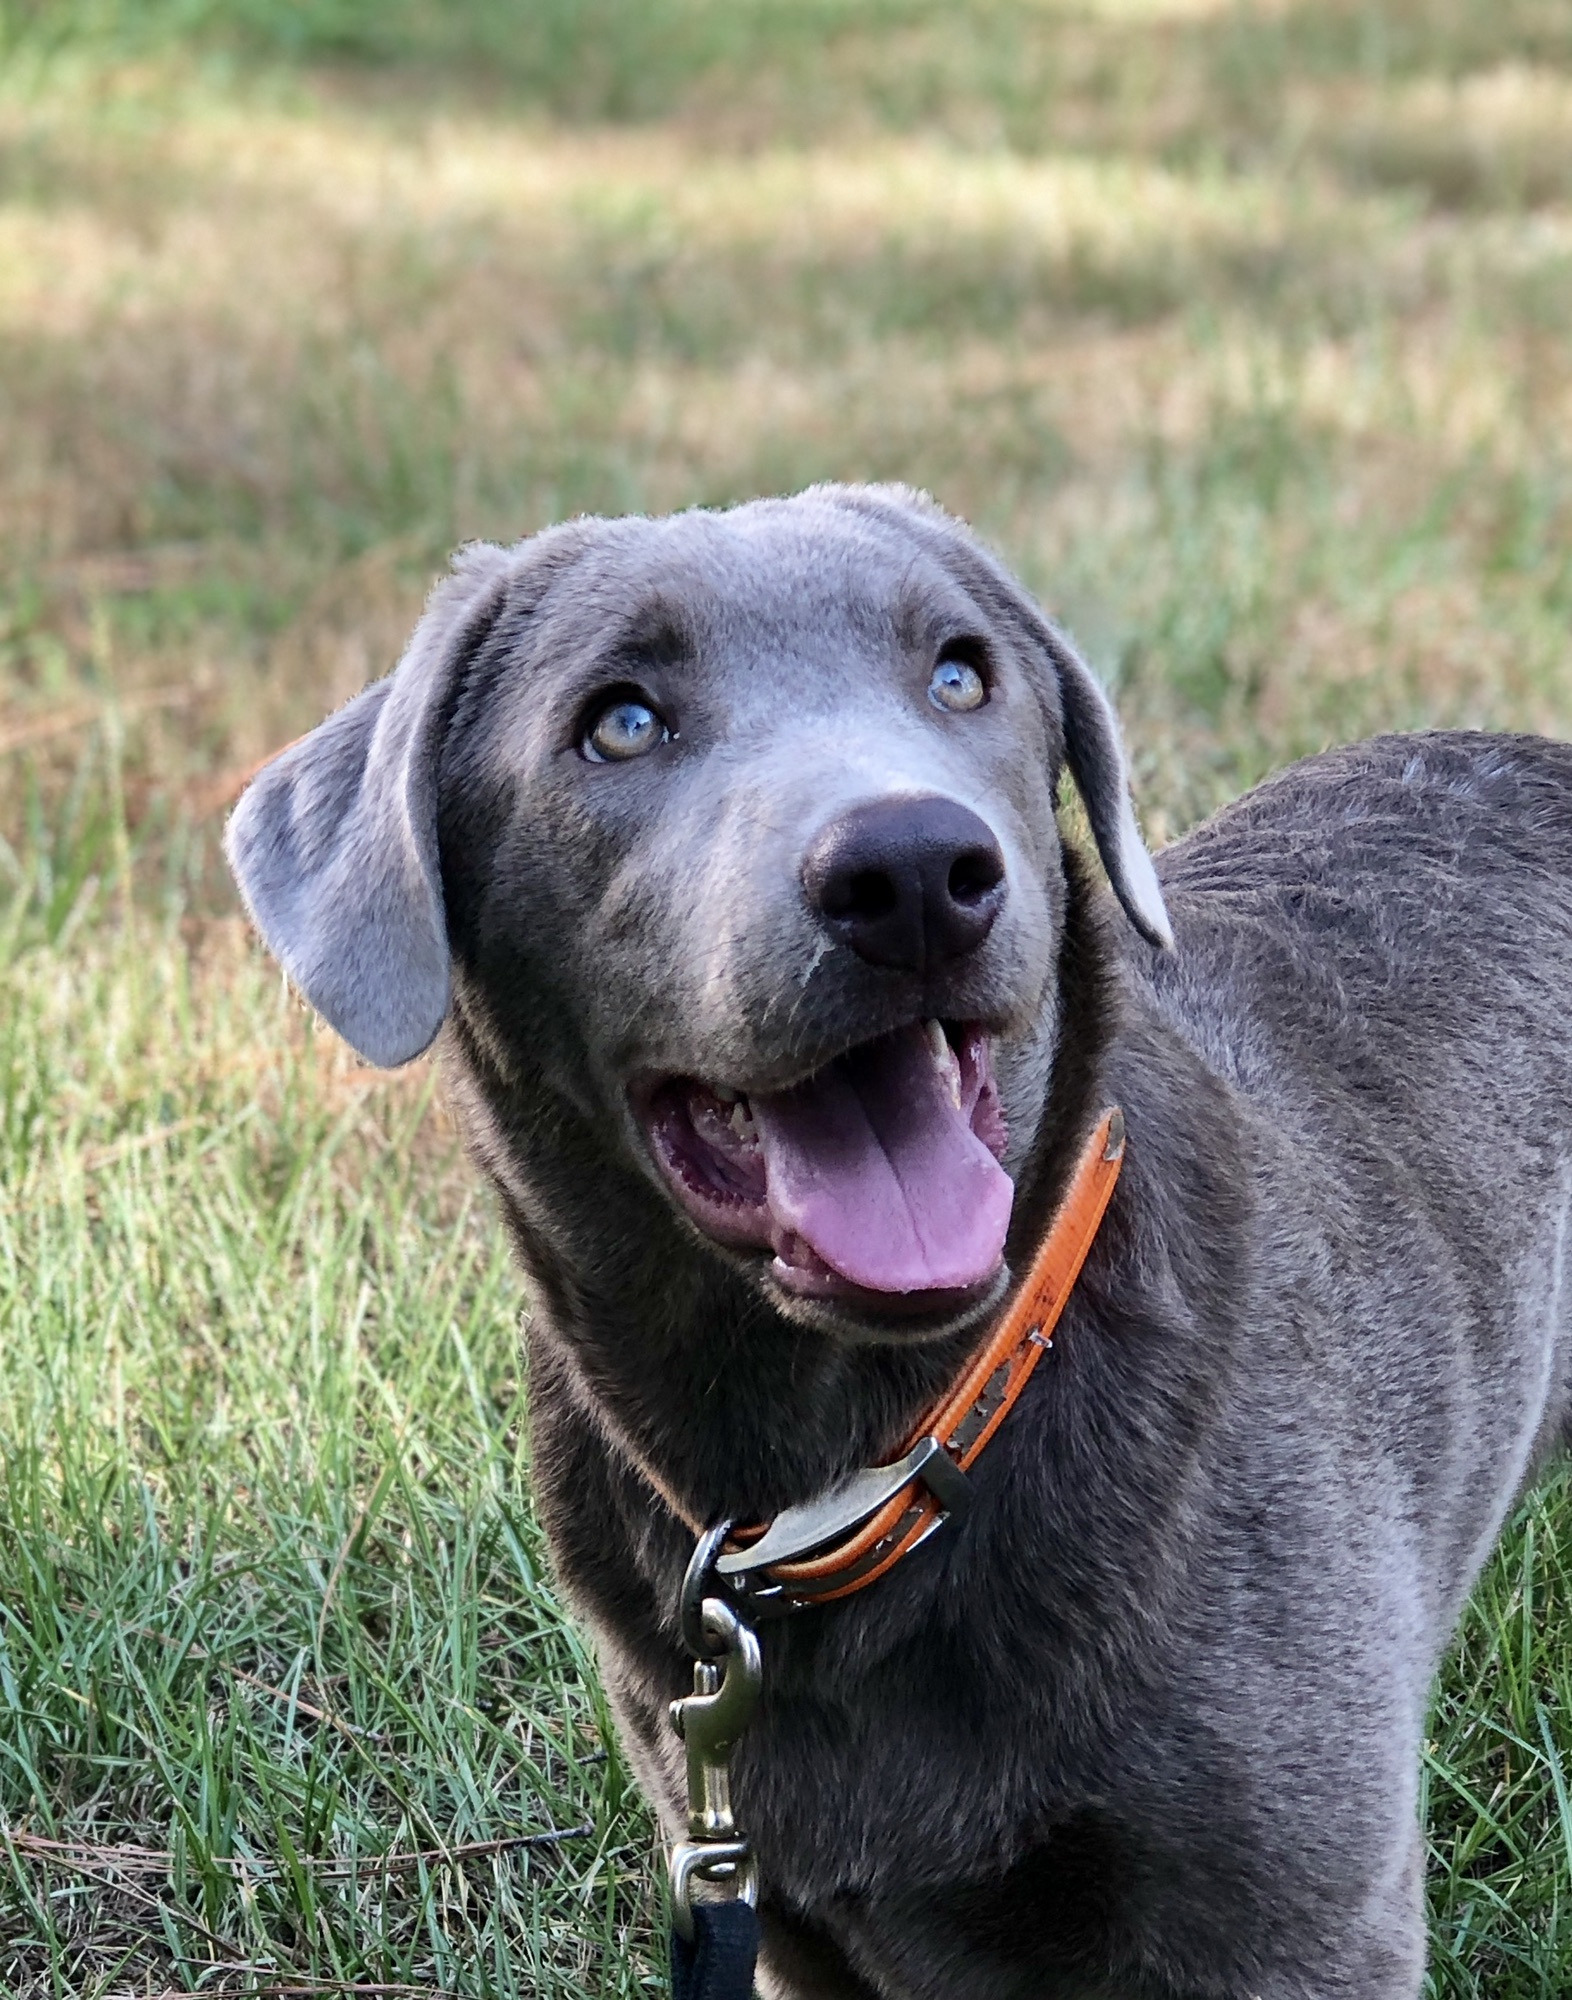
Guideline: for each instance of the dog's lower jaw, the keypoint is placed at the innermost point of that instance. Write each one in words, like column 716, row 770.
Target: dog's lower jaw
column 903, row 1319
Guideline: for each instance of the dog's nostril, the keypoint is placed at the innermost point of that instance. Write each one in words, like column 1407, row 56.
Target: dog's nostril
column 975, row 874
column 865, row 893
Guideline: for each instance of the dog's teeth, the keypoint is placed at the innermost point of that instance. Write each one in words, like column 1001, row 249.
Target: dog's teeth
column 945, row 1060
column 742, row 1119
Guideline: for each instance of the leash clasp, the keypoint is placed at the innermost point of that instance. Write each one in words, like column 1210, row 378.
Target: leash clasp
column 725, row 1690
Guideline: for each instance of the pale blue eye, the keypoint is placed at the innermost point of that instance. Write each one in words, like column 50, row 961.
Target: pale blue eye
column 957, row 687
column 624, row 728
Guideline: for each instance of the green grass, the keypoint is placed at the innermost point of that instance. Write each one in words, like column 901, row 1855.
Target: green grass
column 1242, row 330
column 283, row 1688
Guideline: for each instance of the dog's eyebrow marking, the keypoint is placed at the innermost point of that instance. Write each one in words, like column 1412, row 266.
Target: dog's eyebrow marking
column 929, row 603
column 655, row 630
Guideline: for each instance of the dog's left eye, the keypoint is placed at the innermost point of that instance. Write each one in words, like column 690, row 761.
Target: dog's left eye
column 957, row 686
column 621, row 728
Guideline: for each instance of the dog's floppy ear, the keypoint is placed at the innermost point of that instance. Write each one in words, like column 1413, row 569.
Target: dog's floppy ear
column 1095, row 754
column 1092, row 744
column 334, row 844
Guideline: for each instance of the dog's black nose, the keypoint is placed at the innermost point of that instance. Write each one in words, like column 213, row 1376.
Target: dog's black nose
column 907, row 883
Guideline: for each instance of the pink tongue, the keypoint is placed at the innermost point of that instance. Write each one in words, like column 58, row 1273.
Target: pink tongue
column 872, row 1164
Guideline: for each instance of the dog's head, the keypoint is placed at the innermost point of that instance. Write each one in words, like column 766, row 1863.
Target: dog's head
column 737, row 832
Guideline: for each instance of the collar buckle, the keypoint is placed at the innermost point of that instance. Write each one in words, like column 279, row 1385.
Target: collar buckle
column 800, row 1531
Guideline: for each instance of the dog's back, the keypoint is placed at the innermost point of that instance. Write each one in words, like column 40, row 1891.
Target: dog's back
column 1398, row 840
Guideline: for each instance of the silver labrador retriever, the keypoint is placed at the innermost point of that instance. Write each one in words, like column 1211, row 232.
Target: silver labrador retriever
column 776, row 1008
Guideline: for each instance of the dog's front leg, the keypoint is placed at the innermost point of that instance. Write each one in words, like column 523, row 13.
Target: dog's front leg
column 799, row 1961
column 1377, row 1955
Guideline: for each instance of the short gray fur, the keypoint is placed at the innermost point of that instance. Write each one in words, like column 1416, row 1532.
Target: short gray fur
column 1147, row 1725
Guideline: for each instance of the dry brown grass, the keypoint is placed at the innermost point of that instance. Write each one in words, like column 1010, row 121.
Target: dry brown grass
column 267, row 353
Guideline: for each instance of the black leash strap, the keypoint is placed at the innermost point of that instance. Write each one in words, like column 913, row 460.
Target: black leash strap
column 718, row 1963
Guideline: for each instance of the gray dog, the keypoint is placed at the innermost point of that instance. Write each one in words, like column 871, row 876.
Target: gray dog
column 777, row 1011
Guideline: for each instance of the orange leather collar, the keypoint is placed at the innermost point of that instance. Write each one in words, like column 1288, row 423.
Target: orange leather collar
column 850, row 1537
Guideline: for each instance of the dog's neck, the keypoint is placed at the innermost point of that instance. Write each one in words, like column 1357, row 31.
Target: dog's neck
column 727, row 1407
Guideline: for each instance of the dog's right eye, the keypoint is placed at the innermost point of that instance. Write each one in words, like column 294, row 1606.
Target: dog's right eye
column 623, row 727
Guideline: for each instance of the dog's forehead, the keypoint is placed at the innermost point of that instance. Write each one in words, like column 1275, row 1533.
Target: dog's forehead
column 768, row 580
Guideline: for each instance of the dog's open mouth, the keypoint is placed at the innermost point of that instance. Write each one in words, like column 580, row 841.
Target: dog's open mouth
column 877, row 1175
